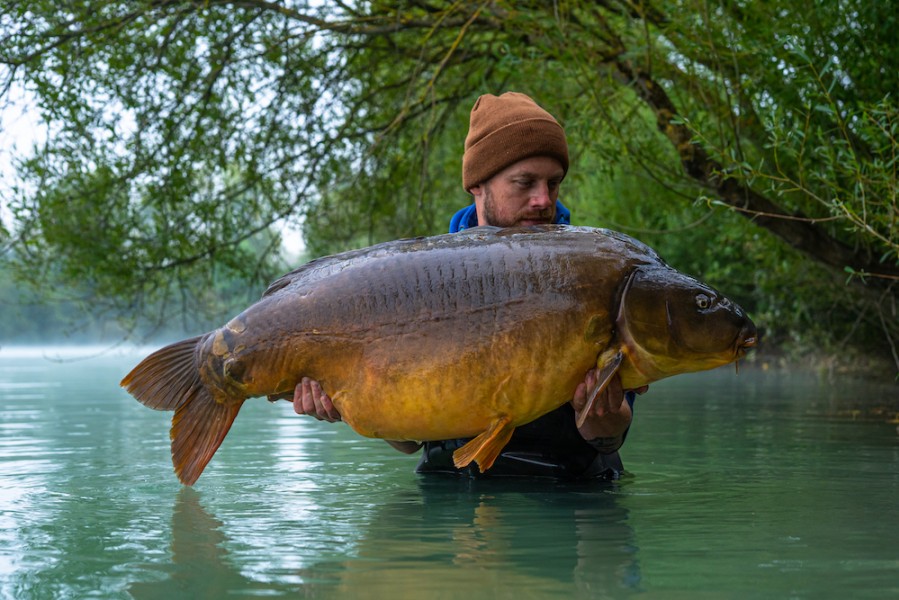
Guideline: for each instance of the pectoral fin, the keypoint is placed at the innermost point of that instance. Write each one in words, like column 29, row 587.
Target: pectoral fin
column 486, row 447
column 606, row 372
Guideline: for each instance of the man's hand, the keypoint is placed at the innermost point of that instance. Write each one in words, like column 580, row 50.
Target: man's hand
column 610, row 415
column 310, row 399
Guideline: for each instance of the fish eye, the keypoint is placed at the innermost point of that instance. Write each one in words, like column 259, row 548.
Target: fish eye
column 703, row 301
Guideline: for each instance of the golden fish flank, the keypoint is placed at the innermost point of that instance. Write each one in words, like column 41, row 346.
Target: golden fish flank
column 430, row 338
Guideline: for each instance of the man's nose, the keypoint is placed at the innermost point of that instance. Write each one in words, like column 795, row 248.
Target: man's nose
column 540, row 197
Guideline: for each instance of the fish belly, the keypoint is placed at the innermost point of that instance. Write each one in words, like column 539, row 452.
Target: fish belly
column 435, row 346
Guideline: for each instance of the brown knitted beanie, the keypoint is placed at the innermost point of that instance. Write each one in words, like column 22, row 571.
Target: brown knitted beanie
column 506, row 129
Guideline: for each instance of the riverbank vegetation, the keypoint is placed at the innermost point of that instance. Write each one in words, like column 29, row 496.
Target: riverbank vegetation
column 753, row 144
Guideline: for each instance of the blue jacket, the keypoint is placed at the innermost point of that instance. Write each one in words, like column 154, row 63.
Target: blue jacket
column 468, row 217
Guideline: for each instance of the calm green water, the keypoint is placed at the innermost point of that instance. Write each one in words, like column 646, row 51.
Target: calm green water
column 751, row 486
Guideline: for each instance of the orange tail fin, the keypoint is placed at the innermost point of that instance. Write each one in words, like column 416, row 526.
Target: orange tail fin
column 198, row 428
column 169, row 379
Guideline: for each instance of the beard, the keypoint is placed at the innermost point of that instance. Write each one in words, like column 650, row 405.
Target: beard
column 491, row 213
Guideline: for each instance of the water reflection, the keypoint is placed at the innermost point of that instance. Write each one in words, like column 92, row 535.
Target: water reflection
column 438, row 535
column 199, row 566
column 766, row 485
column 470, row 536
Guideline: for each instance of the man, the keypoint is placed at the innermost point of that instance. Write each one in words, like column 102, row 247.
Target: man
column 515, row 159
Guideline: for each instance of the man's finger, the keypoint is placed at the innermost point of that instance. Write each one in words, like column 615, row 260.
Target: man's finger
column 303, row 404
column 611, row 396
column 324, row 408
column 580, row 396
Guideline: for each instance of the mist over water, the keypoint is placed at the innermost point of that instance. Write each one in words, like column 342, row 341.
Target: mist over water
column 755, row 485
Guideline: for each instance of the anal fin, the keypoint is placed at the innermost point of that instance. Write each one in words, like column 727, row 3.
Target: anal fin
column 485, row 447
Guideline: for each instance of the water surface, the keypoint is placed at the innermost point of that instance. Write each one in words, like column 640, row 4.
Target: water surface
column 760, row 485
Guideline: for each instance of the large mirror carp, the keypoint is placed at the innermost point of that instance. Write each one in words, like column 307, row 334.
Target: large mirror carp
column 460, row 335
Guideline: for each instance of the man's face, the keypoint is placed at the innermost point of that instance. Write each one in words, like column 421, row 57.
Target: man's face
column 524, row 193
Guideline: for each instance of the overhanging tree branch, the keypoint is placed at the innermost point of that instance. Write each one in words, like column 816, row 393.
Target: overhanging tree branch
column 803, row 234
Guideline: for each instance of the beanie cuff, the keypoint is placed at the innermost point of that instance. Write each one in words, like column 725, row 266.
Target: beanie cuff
column 509, row 144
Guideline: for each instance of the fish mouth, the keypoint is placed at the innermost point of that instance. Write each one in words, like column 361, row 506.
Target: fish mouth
column 747, row 338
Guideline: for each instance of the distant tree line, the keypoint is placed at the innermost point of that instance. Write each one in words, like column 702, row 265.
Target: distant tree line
column 74, row 316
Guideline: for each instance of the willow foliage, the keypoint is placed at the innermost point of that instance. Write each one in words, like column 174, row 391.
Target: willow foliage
column 760, row 136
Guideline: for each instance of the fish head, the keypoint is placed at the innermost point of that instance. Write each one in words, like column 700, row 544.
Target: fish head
column 670, row 323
